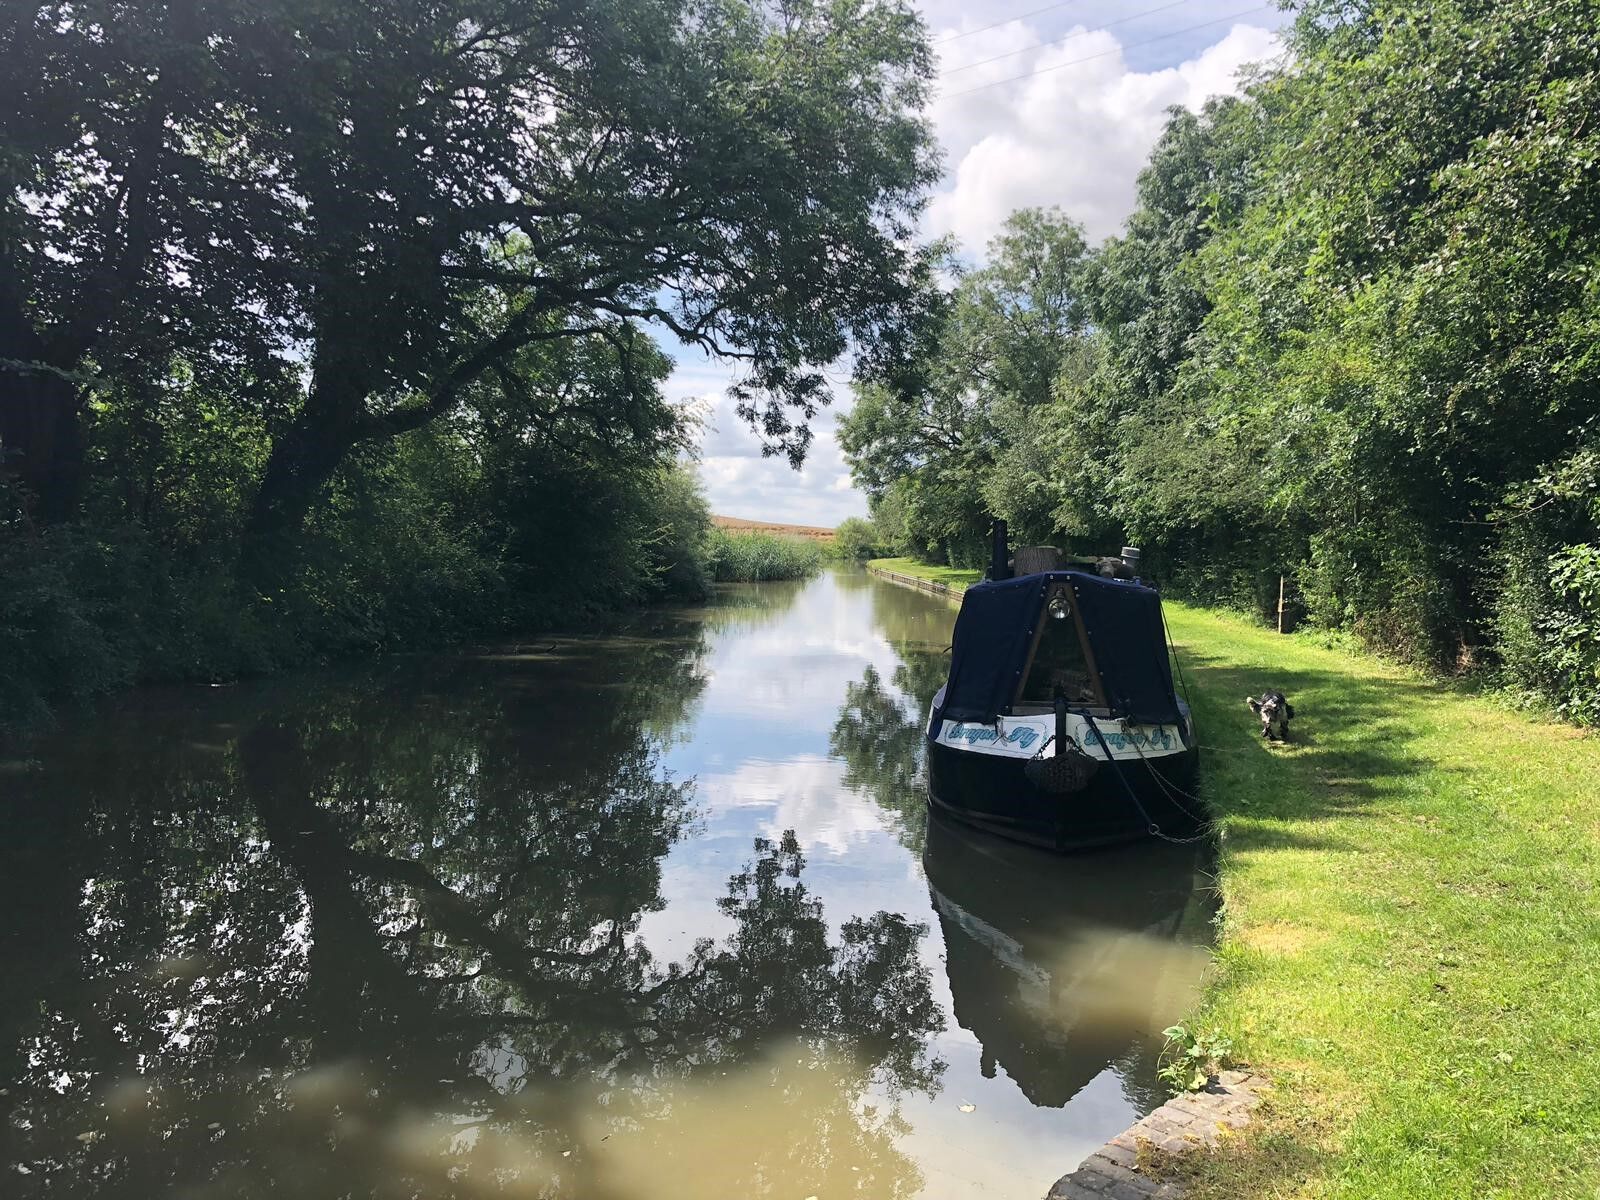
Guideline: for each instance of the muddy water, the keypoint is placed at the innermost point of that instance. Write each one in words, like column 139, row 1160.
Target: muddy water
column 655, row 914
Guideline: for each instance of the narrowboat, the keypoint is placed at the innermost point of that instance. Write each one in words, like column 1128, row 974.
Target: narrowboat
column 1059, row 724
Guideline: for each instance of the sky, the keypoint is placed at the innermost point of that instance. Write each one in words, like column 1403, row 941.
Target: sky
column 1037, row 103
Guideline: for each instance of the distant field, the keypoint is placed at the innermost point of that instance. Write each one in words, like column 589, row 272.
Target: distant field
column 816, row 533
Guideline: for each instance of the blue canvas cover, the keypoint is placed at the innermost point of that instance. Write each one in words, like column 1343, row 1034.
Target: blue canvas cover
column 995, row 628
column 1123, row 622
column 990, row 647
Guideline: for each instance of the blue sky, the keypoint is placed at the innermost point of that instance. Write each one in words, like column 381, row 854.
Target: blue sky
column 1096, row 79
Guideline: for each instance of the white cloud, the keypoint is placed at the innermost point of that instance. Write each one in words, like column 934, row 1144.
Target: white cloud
column 1074, row 136
column 805, row 794
column 740, row 481
column 1074, row 133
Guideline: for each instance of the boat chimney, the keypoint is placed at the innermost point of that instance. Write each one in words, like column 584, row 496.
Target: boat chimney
column 1130, row 559
column 1000, row 555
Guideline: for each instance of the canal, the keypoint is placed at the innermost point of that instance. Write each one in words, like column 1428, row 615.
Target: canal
column 655, row 914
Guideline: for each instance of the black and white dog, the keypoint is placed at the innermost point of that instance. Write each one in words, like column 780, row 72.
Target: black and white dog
column 1274, row 710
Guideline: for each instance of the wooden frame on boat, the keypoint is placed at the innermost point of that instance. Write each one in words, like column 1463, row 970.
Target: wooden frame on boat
column 1100, row 707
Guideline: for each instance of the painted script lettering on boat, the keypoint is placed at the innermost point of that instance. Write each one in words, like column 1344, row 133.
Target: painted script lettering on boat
column 1019, row 735
column 1149, row 737
column 1156, row 738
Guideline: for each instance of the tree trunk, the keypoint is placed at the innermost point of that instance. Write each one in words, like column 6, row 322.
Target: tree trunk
column 303, row 460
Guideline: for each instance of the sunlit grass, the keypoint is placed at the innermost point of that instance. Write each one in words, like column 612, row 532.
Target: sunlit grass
column 957, row 577
column 1411, row 927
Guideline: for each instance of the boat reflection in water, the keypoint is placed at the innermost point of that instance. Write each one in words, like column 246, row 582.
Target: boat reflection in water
column 1063, row 969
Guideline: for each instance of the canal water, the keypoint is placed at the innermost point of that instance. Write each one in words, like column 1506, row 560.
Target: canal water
column 657, row 914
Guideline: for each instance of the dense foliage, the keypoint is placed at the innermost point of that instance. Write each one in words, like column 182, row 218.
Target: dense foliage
column 1348, row 336
column 323, row 323
column 856, row 540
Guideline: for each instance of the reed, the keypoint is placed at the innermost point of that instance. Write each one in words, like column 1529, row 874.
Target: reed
column 757, row 557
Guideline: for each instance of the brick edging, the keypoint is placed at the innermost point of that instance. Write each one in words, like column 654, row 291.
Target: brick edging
column 1184, row 1123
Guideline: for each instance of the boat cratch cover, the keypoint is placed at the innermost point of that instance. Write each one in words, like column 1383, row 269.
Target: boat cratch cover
column 994, row 633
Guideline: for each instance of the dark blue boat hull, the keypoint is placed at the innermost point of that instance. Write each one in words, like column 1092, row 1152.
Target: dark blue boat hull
column 993, row 792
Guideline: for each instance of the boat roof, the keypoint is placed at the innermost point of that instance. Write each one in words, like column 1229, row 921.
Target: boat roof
column 1121, row 621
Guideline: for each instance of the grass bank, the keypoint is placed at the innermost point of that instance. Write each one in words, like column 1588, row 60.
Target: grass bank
column 1410, row 931
column 955, row 577
column 1410, row 937
column 751, row 557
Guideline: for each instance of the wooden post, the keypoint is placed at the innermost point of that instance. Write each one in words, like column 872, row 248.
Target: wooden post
column 1280, row 603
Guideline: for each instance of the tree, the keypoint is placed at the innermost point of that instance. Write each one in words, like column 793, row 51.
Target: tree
column 857, row 538
column 140, row 212
column 1401, row 319
column 401, row 198
column 1141, row 288
column 991, row 352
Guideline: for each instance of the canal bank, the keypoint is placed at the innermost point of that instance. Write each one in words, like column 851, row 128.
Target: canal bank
column 1410, row 938
column 919, row 583
column 1152, row 1159
column 947, row 582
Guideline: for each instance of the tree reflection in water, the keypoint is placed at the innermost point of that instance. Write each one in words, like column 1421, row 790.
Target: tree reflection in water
column 383, row 939
column 879, row 736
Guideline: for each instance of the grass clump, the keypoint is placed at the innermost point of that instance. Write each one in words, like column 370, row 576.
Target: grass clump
column 1410, row 930
column 739, row 557
column 1192, row 1058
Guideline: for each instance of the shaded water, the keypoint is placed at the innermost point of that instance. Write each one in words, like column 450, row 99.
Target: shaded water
column 655, row 914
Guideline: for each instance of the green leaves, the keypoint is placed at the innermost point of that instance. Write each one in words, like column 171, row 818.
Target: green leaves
column 1349, row 335
column 385, row 204
column 1191, row 1058
column 990, row 356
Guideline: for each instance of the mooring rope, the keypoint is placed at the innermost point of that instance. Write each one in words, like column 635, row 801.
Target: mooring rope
column 1155, row 830
column 1172, row 649
column 1168, row 788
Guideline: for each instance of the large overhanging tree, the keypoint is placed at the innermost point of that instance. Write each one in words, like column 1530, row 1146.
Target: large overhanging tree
column 396, row 199
column 141, row 216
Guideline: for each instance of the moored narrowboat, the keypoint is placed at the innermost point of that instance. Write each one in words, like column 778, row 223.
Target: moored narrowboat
column 1059, row 723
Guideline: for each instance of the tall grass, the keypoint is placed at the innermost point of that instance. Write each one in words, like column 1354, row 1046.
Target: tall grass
column 734, row 557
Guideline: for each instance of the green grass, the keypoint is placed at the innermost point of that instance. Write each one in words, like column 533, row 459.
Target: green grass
column 957, row 577
column 1410, row 936
column 739, row 557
